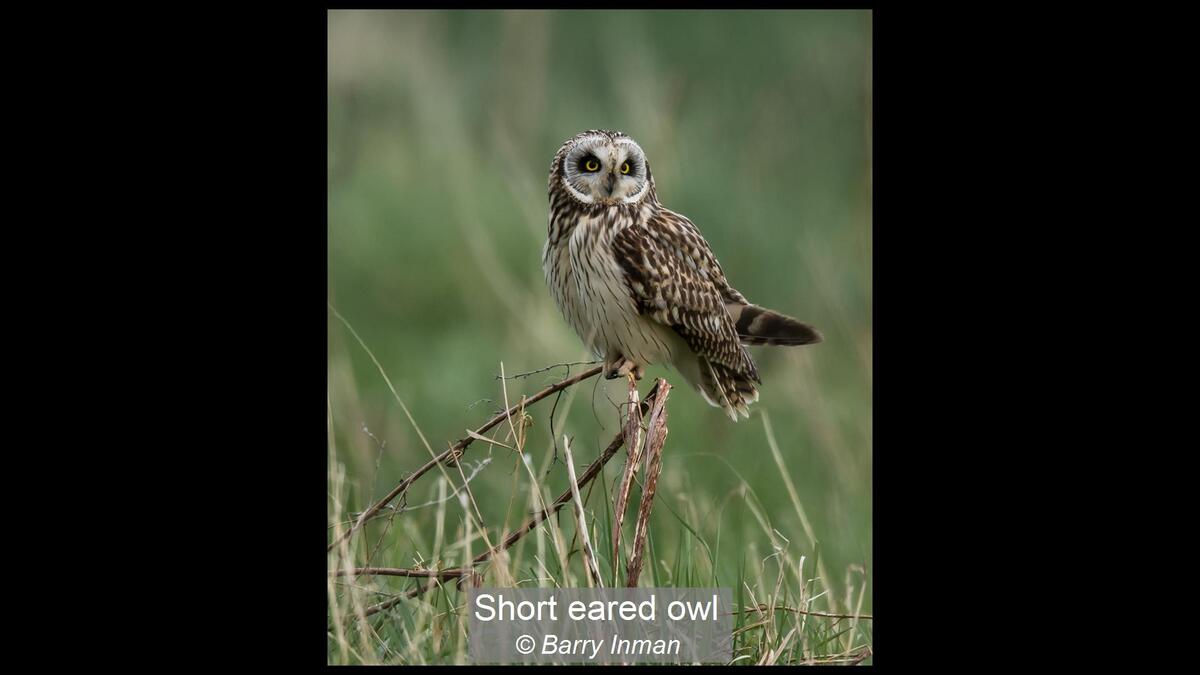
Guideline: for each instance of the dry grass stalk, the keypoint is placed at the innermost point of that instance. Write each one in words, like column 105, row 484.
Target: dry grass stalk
column 656, row 436
column 589, row 554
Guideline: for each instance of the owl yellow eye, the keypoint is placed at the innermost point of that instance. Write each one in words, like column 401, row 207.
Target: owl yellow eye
column 625, row 167
column 591, row 165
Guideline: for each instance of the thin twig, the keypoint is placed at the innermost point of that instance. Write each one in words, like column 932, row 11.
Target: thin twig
column 400, row 572
column 542, row 370
column 392, row 510
column 763, row 607
column 457, row 449
column 553, row 438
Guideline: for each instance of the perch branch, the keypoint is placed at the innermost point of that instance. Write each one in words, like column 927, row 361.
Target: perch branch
column 633, row 440
column 656, row 435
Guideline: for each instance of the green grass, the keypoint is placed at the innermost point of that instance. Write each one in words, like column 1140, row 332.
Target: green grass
column 442, row 126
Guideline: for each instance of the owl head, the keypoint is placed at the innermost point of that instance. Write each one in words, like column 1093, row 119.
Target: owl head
column 602, row 168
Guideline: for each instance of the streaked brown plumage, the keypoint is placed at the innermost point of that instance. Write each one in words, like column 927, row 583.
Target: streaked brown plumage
column 639, row 283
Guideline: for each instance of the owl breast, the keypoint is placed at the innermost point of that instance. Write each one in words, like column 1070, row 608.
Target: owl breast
column 589, row 286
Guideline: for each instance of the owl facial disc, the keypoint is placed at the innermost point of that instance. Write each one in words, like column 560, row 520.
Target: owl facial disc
column 605, row 168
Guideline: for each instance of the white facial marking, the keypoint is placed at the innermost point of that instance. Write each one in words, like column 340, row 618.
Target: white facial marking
column 593, row 187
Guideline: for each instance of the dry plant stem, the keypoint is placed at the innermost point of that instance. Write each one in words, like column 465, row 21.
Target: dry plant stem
column 656, row 436
column 763, row 608
column 861, row 656
column 401, row 572
column 458, row 448
column 633, row 441
column 852, row 659
column 592, row 471
column 589, row 554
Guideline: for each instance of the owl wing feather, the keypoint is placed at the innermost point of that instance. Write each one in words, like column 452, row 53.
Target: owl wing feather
column 676, row 280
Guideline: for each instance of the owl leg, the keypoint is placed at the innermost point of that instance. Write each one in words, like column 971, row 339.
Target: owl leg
column 619, row 366
column 611, row 363
column 634, row 371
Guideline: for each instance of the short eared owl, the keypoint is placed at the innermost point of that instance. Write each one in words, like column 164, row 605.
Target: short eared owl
column 639, row 283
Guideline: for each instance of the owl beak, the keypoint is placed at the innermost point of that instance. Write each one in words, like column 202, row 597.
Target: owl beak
column 609, row 182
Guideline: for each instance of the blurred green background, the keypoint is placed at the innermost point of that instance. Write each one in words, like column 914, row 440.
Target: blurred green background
column 441, row 129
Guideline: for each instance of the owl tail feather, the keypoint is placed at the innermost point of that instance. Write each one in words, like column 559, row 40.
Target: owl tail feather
column 761, row 326
column 725, row 388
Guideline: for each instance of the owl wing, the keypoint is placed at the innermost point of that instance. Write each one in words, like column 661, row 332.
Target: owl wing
column 676, row 280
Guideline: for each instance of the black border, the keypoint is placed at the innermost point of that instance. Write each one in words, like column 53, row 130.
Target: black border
column 947, row 330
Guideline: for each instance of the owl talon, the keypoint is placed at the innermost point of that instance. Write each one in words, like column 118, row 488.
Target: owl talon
column 634, row 374
column 623, row 367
